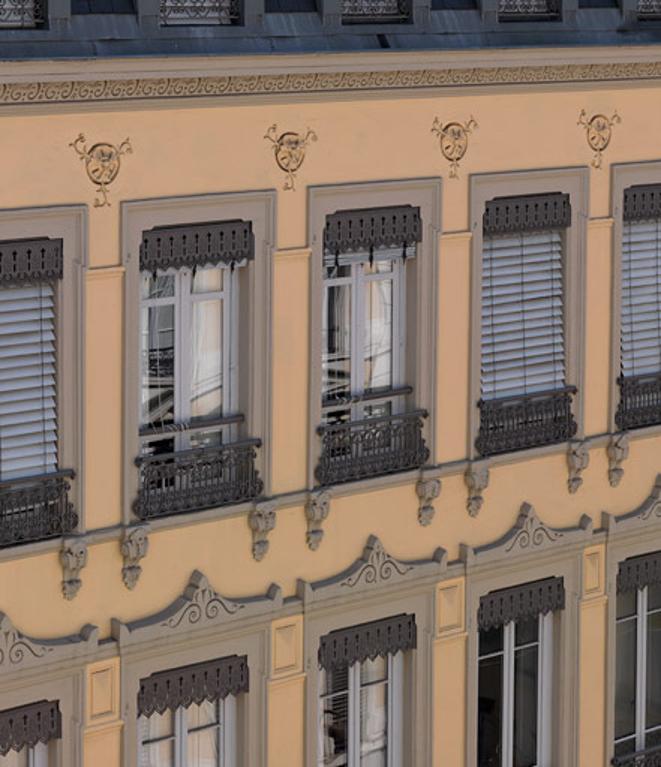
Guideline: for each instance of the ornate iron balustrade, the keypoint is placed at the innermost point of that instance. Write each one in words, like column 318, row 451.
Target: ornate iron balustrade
column 22, row 14
column 36, row 508
column 640, row 401
column 371, row 447
column 649, row 8
column 527, row 420
column 650, row 757
column 199, row 12
column 528, row 10
column 193, row 480
column 377, row 11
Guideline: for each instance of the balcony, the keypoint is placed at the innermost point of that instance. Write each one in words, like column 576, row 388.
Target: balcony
column 528, row 10
column 36, row 508
column 524, row 421
column 640, row 401
column 198, row 479
column 650, row 757
column 199, row 12
column 649, row 9
column 371, row 447
column 375, row 11
column 22, row 14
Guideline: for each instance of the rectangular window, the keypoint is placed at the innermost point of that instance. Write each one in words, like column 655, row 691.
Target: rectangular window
column 22, row 13
column 26, row 734
column 525, row 400
column 375, row 11
column 30, row 756
column 199, row 12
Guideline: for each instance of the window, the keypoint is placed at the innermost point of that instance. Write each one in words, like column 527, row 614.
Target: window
column 26, row 733
column 525, row 400
column 188, row 715
column 638, row 656
column 375, row 11
column 366, row 429
column 515, row 673
column 191, row 455
column 529, row 10
column 199, row 12
column 22, row 13
column 640, row 333
column 361, row 705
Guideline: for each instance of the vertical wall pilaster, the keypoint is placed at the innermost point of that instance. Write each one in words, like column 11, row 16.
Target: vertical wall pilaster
column 102, row 733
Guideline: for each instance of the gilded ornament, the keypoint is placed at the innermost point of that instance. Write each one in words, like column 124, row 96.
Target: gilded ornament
column 102, row 163
column 453, row 139
column 289, row 149
column 598, row 130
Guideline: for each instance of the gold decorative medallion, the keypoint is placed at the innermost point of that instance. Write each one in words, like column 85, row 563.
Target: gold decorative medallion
column 598, row 130
column 453, row 138
column 102, row 163
column 289, row 149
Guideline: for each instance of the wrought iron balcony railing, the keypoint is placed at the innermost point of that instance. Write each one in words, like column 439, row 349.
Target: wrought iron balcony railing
column 649, row 9
column 199, row 12
column 528, row 10
column 22, row 14
column 371, row 447
column 640, row 401
column 527, row 420
column 193, row 480
column 375, row 11
column 36, row 508
column 650, row 757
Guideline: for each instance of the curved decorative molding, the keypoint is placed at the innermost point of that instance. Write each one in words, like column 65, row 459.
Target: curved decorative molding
column 133, row 89
column 373, row 569
column 18, row 651
column 528, row 536
column 198, row 608
column 648, row 513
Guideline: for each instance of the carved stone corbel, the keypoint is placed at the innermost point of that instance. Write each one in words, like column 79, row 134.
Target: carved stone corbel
column 477, row 480
column 316, row 512
column 427, row 490
column 134, row 547
column 73, row 557
column 578, row 458
column 261, row 520
column 618, row 452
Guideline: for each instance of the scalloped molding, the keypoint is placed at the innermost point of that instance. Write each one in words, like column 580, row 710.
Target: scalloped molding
column 647, row 514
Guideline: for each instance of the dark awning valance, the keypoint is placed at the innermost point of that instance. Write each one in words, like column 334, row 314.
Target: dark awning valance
column 642, row 202
column 180, row 687
column 636, row 572
column 504, row 215
column 350, row 231
column 387, row 636
column 526, row 600
column 28, row 725
column 33, row 260
column 196, row 245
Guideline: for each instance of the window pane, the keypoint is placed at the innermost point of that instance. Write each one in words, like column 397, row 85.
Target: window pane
column 203, row 748
column 334, row 718
column 653, row 708
column 491, row 641
column 489, row 711
column 526, row 631
column 654, row 596
column 202, row 715
column 626, row 604
column 625, row 679
column 159, row 754
column 160, row 287
column 653, row 739
column 374, row 722
column 207, row 280
column 336, row 342
column 15, row 759
column 525, row 706
column 157, row 728
column 625, row 747
column 207, row 369
column 378, row 334
column 157, row 351
column 206, row 439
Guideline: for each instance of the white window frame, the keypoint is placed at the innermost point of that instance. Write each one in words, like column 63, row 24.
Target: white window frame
column 226, row 727
column 544, row 690
column 394, row 721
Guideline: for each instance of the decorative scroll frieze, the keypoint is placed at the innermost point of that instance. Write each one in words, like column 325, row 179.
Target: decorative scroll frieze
column 578, row 458
column 617, row 451
column 648, row 514
column 356, row 644
column 316, row 512
column 196, row 245
column 26, row 726
column 427, row 491
column 134, row 547
column 73, row 558
column 527, row 213
column 351, row 231
column 30, row 260
column 180, row 687
column 636, row 572
column 525, row 601
column 642, row 202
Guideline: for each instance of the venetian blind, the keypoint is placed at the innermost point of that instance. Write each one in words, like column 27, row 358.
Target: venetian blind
column 522, row 339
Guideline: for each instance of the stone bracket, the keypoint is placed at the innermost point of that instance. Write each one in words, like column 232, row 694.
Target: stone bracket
column 73, row 558
column 134, row 547
column 617, row 451
column 427, row 490
column 477, row 480
column 578, row 458
column 262, row 521
column 316, row 513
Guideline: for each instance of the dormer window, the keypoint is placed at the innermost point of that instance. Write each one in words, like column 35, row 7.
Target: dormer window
column 199, row 12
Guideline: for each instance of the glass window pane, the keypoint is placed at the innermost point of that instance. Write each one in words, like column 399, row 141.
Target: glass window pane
column 159, row 754
column 374, row 721
column 160, row 729
column 157, row 726
column 203, row 748
column 525, row 706
column 489, row 711
column 526, row 631
column 626, row 604
column 378, row 266
column 337, row 272
column 206, row 439
column 378, row 350
column 653, row 739
column 382, row 410
column 625, row 679
column 336, row 342
column 207, row 280
column 625, row 747
column 374, row 670
column 653, row 707
column 202, row 715
column 15, row 758
column 491, row 641
column 157, row 353
column 160, row 287
column 207, row 364
column 654, row 596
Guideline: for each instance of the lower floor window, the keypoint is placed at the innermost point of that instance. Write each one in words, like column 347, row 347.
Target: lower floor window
column 514, row 693
column 197, row 736
column 35, row 756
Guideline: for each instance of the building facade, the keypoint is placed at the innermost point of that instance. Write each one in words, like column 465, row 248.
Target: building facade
column 330, row 384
